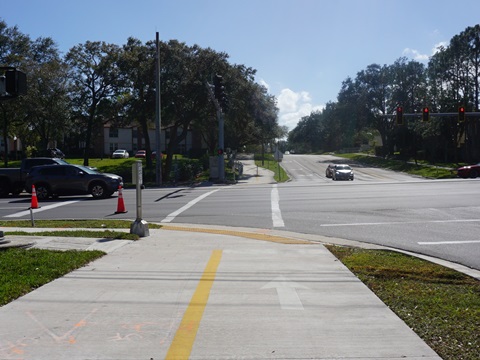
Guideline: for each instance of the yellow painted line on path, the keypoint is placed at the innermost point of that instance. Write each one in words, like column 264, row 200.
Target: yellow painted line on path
column 182, row 343
column 249, row 235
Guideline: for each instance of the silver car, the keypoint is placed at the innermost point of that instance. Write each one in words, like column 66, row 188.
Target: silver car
column 342, row 172
column 329, row 171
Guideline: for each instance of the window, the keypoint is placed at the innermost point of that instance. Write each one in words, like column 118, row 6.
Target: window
column 113, row 132
column 53, row 171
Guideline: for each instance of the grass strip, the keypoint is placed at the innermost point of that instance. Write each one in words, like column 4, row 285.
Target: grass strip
column 441, row 305
column 71, row 223
column 268, row 162
column 105, row 234
column 425, row 170
column 24, row 270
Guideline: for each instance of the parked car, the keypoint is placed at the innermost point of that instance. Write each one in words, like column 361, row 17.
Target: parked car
column 12, row 180
column 57, row 180
column 141, row 154
column 342, row 172
column 329, row 170
column 470, row 171
column 120, row 154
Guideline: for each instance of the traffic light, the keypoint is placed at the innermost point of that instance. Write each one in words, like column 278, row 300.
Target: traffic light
column 219, row 86
column 425, row 114
column 399, row 115
column 461, row 113
column 15, row 82
column 220, row 152
column 220, row 92
column 3, row 86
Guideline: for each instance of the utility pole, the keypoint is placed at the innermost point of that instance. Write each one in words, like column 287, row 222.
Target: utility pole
column 158, row 115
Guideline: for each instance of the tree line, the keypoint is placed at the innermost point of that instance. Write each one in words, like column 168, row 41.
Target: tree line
column 366, row 106
column 70, row 98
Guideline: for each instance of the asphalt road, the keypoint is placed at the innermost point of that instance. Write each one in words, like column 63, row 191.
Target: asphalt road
column 439, row 218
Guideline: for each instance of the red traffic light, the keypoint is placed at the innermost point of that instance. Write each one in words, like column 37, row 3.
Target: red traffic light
column 399, row 115
column 425, row 114
column 220, row 151
column 461, row 113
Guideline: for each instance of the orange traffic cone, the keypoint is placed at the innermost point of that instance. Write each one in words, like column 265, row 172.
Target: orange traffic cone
column 34, row 203
column 120, row 205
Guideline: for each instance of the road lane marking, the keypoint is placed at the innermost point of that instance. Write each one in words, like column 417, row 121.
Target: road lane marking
column 182, row 343
column 449, row 242
column 42, row 208
column 401, row 222
column 174, row 214
column 276, row 213
column 286, row 292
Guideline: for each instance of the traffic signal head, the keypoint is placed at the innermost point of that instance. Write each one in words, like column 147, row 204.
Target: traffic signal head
column 399, row 115
column 425, row 114
column 220, row 152
column 219, row 87
column 461, row 113
column 3, row 85
column 15, row 82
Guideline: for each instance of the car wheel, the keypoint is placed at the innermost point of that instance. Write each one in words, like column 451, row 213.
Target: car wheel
column 43, row 191
column 473, row 173
column 98, row 191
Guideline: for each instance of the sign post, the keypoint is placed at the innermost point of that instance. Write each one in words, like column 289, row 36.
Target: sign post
column 139, row 226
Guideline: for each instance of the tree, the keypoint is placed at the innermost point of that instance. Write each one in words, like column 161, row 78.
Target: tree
column 137, row 66
column 46, row 105
column 95, row 78
column 14, row 50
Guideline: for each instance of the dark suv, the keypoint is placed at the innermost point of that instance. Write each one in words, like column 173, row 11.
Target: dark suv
column 56, row 180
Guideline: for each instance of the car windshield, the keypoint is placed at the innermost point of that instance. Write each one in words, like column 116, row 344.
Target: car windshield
column 343, row 167
column 87, row 169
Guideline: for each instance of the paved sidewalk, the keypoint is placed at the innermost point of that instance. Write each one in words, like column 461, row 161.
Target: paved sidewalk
column 253, row 174
column 186, row 292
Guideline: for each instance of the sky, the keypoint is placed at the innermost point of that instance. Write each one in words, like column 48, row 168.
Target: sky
column 302, row 50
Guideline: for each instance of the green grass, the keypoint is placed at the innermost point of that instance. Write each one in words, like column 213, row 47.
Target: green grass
column 105, row 234
column 441, row 305
column 442, row 171
column 71, row 223
column 24, row 270
column 76, row 228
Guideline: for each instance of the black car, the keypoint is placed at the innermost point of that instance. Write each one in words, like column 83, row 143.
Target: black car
column 56, row 180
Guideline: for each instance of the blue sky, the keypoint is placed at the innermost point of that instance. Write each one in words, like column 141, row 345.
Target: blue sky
column 302, row 49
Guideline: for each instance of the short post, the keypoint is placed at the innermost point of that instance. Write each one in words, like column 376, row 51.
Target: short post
column 32, row 220
column 139, row 226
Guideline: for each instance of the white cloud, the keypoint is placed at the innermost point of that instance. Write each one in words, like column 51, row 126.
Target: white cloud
column 293, row 106
column 264, row 83
column 437, row 47
column 416, row 55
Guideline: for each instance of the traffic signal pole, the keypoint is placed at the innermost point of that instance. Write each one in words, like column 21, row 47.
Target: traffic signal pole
column 218, row 96
column 221, row 158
